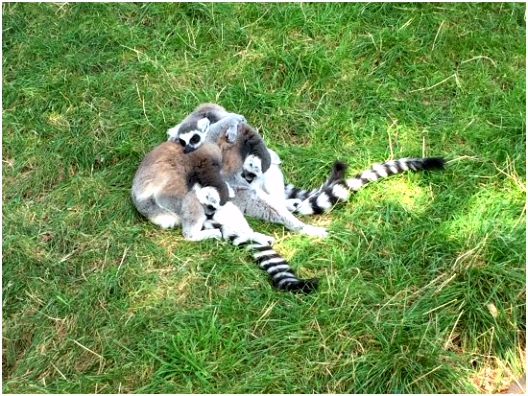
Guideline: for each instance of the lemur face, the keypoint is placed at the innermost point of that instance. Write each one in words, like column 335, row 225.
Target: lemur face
column 190, row 135
column 209, row 197
column 191, row 140
column 252, row 168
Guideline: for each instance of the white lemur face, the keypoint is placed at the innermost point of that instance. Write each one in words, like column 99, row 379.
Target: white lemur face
column 190, row 136
column 209, row 198
column 252, row 168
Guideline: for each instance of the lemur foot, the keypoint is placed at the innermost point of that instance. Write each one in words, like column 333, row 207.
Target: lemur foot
column 314, row 231
column 256, row 237
column 204, row 234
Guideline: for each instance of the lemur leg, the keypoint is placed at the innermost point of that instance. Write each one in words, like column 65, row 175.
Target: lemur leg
column 259, row 204
column 157, row 215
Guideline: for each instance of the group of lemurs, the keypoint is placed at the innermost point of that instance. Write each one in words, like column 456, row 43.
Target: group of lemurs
column 215, row 168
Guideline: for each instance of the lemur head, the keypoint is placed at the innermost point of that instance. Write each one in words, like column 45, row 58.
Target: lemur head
column 190, row 135
column 209, row 198
column 251, row 168
column 206, row 181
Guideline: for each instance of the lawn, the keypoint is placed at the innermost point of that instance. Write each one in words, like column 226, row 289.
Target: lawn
column 423, row 276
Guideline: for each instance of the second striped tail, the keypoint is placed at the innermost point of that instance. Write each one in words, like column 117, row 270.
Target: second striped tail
column 282, row 275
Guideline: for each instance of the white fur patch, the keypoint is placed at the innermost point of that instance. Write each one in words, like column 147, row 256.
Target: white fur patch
column 369, row 175
column 203, row 124
column 393, row 169
column 354, row 184
column 380, row 170
column 207, row 196
column 188, row 135
column 314, row 231
column 172, row 133
column 323, row 201
column 264, row 253
column 305, row 208
column 280, row 268
column 403, row 164
column 272, row 181
column 253, row 164
column 166, row 220
column 286, row 278
column 292, row 204
column 274, row 260
column 340, row 192
column 275, row 159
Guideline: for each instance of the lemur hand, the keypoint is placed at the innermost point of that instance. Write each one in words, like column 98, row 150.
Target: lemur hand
column 232, row 129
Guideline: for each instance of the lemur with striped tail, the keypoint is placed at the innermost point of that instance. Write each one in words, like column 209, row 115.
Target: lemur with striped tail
column 173, row 188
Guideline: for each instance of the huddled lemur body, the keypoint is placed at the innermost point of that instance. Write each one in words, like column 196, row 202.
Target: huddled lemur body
column 193, row 198
column 173, row 188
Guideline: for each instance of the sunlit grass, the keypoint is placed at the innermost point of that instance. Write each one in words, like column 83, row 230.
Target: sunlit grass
column 423, row 279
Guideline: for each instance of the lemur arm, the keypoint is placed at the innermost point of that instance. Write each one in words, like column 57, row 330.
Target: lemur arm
column 227, row 125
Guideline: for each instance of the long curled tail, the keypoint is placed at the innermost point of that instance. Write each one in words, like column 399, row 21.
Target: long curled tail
column 282, row 275
column 338, row 189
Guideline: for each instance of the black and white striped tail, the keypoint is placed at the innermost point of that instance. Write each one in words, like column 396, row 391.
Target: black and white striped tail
column 282, row 275
column 337, row 190
column 337, row 173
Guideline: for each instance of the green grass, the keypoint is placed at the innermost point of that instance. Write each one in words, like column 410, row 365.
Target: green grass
column 423, row 277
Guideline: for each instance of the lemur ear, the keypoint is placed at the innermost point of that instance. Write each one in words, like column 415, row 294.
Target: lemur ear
column 275, row 159
column 203, row 124
column 172, row 133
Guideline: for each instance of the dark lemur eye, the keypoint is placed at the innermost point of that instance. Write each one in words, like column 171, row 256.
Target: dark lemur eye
column 182, row 142
column 195, row 139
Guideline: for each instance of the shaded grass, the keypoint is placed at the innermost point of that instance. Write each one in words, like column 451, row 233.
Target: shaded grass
column 423, row 278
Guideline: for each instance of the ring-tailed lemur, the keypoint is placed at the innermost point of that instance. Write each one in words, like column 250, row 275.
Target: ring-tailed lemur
column 337, row 188
column 172, row 188
column 207, row 122
column 246, row 160
column 234, row 227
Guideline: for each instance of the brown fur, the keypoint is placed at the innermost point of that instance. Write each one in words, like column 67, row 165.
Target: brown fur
column 167, row 169
column 247, row 142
